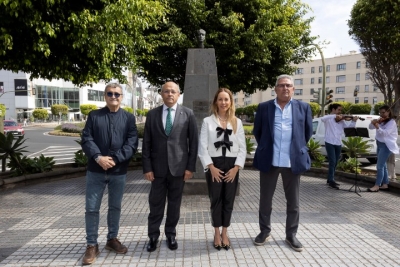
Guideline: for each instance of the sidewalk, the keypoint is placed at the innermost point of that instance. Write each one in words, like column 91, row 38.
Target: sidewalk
column 43, row 225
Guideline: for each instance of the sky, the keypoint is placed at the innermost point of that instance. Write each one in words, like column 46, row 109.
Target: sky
column 330, row 23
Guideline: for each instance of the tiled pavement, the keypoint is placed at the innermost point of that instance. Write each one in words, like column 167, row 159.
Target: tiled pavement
column 43, row 225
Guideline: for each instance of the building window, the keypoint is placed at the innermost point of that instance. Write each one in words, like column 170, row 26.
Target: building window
column 272, row 92
column 328, row 68
column 328, row 79
column 356, row 100
column 298, row 81
column 365, row 100
column 312, row 91
column 374, row 100
column 366, row 88
column 366, row 76
column 298, row 91
column 312, row 80
column 358, row 64
column 340, row 90
column 320, row 69
column 357, row 76
column 357, row 88
column 376, row 89
column 312, row 69
column 366, row 64
column 341, row 66
column 341, row 78
column 319, row 79
column 299, row 71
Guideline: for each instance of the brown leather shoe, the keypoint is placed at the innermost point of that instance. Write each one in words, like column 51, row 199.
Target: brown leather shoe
column 114, row 244
column 90, row 255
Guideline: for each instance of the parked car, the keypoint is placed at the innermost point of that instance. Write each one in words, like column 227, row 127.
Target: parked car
column 13, row 127
column 361, row 126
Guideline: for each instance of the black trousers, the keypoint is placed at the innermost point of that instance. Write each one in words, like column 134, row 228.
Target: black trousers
column 162, row 188
column 222, row 195
column 291, row 185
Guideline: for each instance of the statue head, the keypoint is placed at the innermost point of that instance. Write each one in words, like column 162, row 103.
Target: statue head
column 201, row 37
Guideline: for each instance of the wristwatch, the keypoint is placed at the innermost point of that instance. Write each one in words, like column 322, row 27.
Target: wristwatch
column 97, row 159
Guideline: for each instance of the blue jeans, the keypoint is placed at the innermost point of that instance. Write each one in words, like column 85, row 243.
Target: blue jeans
column 95, row 186
column 333, row 152
column 383, row 154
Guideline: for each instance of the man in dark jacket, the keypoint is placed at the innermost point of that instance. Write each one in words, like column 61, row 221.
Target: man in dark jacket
column 109, row 140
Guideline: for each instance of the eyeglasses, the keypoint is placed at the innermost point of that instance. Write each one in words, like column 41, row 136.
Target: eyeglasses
column 111, row 94
column 169, row 92
column 283, row 85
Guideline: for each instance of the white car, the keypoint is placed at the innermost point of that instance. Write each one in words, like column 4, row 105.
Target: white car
column 361, row 126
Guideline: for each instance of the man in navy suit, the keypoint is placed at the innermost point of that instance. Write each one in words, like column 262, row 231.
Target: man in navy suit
column 169, row 154
column 282, row 128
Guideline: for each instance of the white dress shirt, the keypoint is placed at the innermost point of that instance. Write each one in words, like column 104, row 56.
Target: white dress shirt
column 334, row 130
column 387, row 133
column 208, row 136
column 165, row 113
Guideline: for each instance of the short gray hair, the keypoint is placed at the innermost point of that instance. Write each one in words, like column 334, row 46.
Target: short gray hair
column 113, row 85
column 283, row 76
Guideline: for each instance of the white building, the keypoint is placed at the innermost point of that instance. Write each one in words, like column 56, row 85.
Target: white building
column 345, row 74
column 21, row 96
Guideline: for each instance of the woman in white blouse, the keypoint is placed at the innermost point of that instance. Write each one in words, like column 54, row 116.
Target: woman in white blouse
column 222, row 151
column 386, row 141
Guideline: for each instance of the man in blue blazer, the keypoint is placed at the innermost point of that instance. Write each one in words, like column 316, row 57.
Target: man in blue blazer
column 282, row 128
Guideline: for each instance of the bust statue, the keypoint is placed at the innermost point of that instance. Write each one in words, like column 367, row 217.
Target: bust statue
column 201, row 36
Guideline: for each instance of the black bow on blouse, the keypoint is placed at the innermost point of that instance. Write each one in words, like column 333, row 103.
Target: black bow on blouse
column 225, row 143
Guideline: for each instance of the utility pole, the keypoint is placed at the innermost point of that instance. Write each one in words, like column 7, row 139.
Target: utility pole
column 323, row 91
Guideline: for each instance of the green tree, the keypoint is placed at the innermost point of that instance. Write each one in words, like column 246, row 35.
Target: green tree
column 315, row 108
column 40, row 114
column 361, row 108
column 57, row 108
column 86, row 108
column 374, row 25
column 3, row 110
column 128, row 109
column 254, row 41
column 80, row 41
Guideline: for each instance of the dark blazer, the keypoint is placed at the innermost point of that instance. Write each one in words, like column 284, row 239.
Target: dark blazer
column 264, row 133
column 107, row 134
column 176, row 152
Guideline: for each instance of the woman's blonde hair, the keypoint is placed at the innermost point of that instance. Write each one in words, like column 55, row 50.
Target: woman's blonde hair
column 231, row 111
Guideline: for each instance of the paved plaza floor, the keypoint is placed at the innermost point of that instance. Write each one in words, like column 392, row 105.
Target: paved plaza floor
column 43, row 225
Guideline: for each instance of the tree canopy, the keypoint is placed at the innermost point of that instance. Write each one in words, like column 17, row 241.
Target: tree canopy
column 374, row 25
column 80, row 41
column 254, row 41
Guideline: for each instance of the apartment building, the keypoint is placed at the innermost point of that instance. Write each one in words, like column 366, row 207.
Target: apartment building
column 347, row 75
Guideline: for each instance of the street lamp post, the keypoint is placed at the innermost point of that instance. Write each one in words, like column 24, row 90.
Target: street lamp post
column 323, row 91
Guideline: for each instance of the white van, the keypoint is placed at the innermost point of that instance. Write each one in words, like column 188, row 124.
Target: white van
column 319, row 135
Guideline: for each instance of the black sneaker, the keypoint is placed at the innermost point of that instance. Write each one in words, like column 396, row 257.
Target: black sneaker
column 294, row 244
column 261, row 239
column 333, row 185
column 327, row 182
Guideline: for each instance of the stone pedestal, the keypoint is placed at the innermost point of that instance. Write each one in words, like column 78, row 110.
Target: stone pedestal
column 201, row 83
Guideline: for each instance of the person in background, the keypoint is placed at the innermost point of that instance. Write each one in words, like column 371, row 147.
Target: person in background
column 169, row 155
column 386, row 142
column 282, row 128
column 222, row 152
column 334, row 125
column 109, row 141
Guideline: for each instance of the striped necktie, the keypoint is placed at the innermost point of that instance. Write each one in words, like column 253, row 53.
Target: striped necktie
column 168, row 123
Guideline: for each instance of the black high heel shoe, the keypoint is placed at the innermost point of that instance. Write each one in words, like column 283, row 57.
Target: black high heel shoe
column 226, row 246
column 217, row 247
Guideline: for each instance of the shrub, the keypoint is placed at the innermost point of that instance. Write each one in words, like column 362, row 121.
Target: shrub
column 80, row 159
column 26, row 165
column 140, row 130
column 248, row 129
column 40, row 114
column 249, row 146
column 71, row 128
